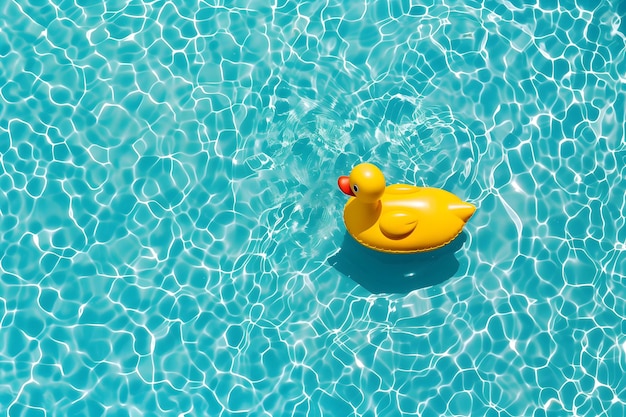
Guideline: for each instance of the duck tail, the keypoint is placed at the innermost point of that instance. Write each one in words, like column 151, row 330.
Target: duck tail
column 462, row 210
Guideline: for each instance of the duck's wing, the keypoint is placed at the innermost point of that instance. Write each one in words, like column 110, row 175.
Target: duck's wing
column 399, row 189
column 396, row 224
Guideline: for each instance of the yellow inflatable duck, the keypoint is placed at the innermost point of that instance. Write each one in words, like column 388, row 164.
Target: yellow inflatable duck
column 400, row 218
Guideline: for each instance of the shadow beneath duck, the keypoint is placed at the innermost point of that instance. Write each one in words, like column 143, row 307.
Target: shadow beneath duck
column 380, row 272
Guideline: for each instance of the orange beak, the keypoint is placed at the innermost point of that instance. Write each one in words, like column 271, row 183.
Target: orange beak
column 344, row 185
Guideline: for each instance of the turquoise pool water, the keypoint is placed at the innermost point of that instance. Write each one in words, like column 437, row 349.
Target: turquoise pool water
column 171, row 241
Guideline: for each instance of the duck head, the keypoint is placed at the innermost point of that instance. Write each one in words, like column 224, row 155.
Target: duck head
column 366, row 182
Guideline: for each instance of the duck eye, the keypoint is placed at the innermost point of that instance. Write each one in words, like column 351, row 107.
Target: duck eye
column 355, row 188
